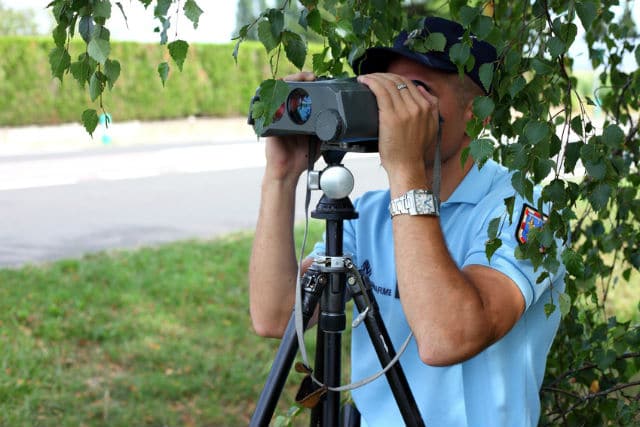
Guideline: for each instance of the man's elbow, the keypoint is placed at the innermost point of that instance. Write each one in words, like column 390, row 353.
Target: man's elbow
column 267, row 328
column 435, row 358
column 450, row 349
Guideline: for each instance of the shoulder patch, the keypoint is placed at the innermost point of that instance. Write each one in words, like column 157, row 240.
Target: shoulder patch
column 530, row 218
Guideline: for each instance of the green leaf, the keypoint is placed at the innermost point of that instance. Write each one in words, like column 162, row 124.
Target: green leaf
column 82, row 69
column 59, row 34
column 459, row 54
column 494, row 226
column 276, row 19
column 491, row 247
column 192, row 11
column 600, row 195
column 166, row 23
column 604, row 358
column 597, row 170
column 162, row 8
column 272, row 93
column 565, row 303
column 522, row 185
column 587, row 12
column 590, row 152
column 474, row 127
column 295, row 48
column 509, row 203
column 516, row 156
column 90, row 120
column 178, row 50
column 483, row 106
column 59, row 60
column 517, row 85
column 556, row 47
column 318, row 60
column 542, row 277
column 236, row 48
column 85, row 28
column 96, row 85
column 315, row 20
column 571, row 156
column 576, row 125
column 482, row 26
column 485, row 73
column 266, row 36
column 468, row 15
column 638, row 55
column 568, row 32
column 549, row 308
column 481, row 149
column 434, row 42
column 541, row 67
column 464, row 155
column 163, row 72
column 99, row 49
column 613, row 136
column 102, row 9
column 555, row 192
column 536, row 131
column 112, row 71
column 101, row 32
column 541, row 168
column 361, row 25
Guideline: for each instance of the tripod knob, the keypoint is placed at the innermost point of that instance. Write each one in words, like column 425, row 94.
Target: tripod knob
column 336, row 182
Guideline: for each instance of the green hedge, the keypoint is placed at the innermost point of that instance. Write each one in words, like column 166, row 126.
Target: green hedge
column 211, row 84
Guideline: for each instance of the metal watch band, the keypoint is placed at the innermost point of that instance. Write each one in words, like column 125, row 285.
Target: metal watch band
column 415, row 202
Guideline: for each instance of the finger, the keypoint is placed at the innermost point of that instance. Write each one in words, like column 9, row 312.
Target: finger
column 431, row 99
column 380, row 90
column 302, row 76
column 409, row 96
column 389, row 91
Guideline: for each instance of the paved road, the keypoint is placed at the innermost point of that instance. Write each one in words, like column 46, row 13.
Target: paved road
column 61, row 205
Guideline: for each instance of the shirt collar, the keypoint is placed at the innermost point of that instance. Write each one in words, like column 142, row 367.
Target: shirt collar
column 475, row 185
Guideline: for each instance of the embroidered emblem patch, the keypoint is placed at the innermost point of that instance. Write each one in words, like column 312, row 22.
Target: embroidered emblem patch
column 529, row 219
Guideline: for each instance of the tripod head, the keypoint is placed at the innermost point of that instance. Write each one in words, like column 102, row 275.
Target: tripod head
column 335, row 181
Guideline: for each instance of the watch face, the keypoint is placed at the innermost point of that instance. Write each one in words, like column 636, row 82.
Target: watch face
column 424, row 202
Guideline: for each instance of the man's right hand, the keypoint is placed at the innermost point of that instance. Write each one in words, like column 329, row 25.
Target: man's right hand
column 287, row 156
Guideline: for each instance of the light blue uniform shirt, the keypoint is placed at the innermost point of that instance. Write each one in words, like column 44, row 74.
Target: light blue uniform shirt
column 500, row 385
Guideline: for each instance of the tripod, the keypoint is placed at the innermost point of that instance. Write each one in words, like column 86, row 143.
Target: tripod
column 326, row 283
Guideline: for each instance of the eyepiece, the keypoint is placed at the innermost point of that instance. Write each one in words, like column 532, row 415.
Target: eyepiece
column 299, row 106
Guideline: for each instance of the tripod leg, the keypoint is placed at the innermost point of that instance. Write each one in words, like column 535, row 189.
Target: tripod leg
column 311, row 290
column 385, row 351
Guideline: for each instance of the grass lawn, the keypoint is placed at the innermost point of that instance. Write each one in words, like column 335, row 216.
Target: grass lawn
column 153, row 337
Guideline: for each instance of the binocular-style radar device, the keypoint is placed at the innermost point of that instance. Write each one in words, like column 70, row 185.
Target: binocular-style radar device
column 341, row 113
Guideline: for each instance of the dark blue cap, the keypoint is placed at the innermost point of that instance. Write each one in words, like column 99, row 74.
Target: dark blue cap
column 377, row 59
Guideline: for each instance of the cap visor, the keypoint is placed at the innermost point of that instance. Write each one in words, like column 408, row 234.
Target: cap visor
column 377, row 60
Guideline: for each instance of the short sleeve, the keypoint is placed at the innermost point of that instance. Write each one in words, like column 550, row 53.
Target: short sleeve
column 522, row 272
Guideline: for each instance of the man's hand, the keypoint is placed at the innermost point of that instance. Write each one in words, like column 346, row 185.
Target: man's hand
column 408, row 124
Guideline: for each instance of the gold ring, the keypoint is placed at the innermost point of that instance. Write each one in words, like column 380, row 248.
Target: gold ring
column 401, row 86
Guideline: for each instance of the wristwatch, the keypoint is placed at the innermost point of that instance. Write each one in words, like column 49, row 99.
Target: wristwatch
column 415, row 202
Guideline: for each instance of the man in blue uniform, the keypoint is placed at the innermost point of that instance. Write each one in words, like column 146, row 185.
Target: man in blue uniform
column 481, row 334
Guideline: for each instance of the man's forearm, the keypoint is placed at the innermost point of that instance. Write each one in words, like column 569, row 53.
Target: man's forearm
column 443, row 308
column 273, row 267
